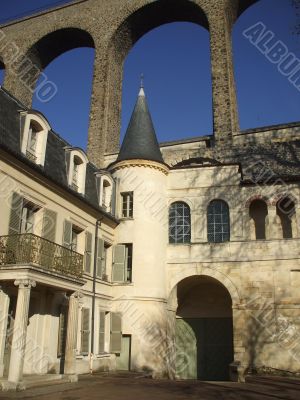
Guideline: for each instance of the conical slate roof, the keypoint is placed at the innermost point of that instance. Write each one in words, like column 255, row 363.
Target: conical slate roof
column 140, row 140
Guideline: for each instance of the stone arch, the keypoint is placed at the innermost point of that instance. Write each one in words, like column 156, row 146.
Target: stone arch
column 244, row 4
column 57, row 42
column 238, row 317
column 257, row 197
column 138, row 19
column 41, row 53
column 282, row 195
column 198, row 270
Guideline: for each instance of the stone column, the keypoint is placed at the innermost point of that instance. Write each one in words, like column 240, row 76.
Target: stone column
column 273, row 228
column 225, row 112
column 21, row 76
column 72, row 328
column 105, row 114
column 4, row 305
column 20, row 331
column 238, row 344
column 172, row 306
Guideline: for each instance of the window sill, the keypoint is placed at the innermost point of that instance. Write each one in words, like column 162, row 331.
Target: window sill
column 126, row 219
column 102, row 355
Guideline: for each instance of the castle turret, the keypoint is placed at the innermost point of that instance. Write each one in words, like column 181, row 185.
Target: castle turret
column 140, row 141
column 142, row 202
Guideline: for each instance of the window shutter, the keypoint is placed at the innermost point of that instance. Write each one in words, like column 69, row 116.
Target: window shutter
column 119, row 263
column 116, row 333
column 85, row 331
column 67, row 235
column 101, row 331
column 100, row 258
column 49, row 225
column 113, row 198
column 15, row 214
column 62, row 333
column 88, row 252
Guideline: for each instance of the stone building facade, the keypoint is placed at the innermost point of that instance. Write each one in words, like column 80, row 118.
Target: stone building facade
column 177, row 259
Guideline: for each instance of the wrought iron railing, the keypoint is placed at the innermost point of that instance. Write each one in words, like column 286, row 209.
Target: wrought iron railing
column 31, row 249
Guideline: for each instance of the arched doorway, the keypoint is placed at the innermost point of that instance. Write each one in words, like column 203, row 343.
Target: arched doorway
column 204, row 329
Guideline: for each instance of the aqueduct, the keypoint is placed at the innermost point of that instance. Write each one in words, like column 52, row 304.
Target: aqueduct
column 112, row 27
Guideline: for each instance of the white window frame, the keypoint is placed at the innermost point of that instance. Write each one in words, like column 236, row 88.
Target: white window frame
column 42, row 136
column 105, row 196
column 129, row 198
column 78, row 157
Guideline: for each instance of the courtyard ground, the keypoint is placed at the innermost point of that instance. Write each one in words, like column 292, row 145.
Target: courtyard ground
column 135, row 387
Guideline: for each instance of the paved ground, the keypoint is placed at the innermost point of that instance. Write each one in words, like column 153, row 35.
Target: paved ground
column 121, row 387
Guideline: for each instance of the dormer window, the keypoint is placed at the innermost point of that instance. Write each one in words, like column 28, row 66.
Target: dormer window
column 77, row 162
column 31, row 151
column 34, row 137
column 75, row 173
column 105, row 185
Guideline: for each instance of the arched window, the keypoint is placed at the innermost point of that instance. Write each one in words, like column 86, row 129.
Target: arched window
column 285, row 209
column 105, row 188
column 218, row 222
column 34, row 136
column 258, row 211
column 179, row 223
column 77, row 161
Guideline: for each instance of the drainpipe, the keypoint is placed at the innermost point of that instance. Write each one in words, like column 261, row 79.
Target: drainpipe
column 97, row 226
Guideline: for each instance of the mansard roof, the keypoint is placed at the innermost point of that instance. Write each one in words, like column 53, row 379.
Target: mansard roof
column 54, row 167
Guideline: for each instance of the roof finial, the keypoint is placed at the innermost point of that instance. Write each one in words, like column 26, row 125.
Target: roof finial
column 142, row 93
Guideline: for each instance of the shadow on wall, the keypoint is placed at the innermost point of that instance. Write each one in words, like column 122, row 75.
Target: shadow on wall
column 268, row 334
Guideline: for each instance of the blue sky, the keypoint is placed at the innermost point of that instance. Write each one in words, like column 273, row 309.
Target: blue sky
column 175, row 60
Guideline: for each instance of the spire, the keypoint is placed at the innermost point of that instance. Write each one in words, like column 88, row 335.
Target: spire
column 140, row 141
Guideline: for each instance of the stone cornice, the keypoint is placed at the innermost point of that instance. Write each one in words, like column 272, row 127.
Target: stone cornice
column 140, row 163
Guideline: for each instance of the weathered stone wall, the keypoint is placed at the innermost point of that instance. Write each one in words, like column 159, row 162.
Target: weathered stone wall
column 112, row 27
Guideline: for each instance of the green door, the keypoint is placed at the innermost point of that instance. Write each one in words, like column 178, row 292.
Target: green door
column 123, row 359
column 204, row 348
column 186, row 350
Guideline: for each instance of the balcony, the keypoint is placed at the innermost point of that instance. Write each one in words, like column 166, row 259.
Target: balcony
column 31, row 249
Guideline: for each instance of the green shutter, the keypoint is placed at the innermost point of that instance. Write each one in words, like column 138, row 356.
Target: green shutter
column 116, row 333
column 88, row 252
column 100, row 258
column 15, row 214
column 49, row 225
column 67, row 235
column 85, row 331
column 101, row 331
column 119, row 263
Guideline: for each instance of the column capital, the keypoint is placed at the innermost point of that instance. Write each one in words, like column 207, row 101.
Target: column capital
column 25, row 283
column 76, row 295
